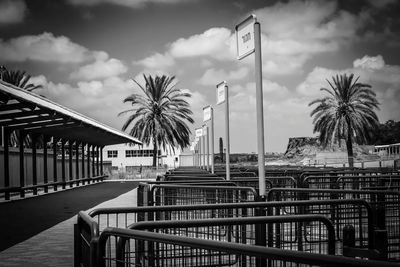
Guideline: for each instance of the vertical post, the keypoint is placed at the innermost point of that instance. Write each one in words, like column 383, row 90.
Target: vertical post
column 63, row 162
column 77, row 161
column 97, row 161
column 70, row 162
column 6, row 137
column 212, row 141
column 21, row 162
column 88, row 162
column 34, row 163
column 101, row 161
column 260, row 112
column 228, row 171
column 93, row 156
column 200, row 164
column 55, row 140
column 204, row 149
column 45, row 170
column 83, row 160
column 208, row 149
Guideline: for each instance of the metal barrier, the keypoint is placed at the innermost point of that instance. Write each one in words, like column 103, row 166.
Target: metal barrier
column 278, row 181
column 234, row 230
column 320, row 182
column 197, row 249
column 382, row 182
column 385, row 203
column 194, row 194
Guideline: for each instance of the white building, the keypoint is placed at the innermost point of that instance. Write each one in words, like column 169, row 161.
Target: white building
column 126, row 157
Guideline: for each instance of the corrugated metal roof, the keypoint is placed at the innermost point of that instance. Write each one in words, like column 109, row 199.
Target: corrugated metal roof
column 20, row 109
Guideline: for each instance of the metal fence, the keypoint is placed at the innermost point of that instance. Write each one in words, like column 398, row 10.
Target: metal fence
column 385, row 203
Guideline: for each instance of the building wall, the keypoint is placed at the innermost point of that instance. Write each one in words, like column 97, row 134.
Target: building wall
column 121, row 161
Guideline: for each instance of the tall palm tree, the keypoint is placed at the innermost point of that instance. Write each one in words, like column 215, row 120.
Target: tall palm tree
column 347, row 112
column 21, row 80
column 159, row 114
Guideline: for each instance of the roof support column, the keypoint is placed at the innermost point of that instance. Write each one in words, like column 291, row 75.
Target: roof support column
column 93, row 161
column 34, row 163
column 63, row 162
column 6, row 139
column 88, row 161
column 101, row 161
column 77, row 161
column 45, row 174
column 55, row 140
column 97, row 161
column 21, row 162
column 83, row 161
column 71, row 158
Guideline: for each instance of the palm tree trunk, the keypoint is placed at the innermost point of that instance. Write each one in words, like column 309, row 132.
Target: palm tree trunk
column 349, row 146
column 154, row 153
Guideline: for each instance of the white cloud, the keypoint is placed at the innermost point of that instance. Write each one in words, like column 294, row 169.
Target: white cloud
column 101, row 68
column 127, row 3
column 216, row 43
column 44, row 47
column 157, row 61
column 213, row 76
column 367, row 62
column 12, row 11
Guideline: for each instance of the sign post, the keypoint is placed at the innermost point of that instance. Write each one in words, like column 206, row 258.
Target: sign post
column 223, row 96
column 248, row 40
column 199, row 133
column 208, row 115
column 205, row 148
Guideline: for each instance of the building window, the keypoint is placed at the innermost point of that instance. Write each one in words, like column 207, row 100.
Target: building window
column 112, row 153
column 129, row 153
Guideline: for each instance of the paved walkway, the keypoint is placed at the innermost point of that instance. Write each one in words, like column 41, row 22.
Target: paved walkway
column 54, row 246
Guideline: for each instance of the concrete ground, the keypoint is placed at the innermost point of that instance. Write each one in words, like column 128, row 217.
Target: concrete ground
column 54, row 246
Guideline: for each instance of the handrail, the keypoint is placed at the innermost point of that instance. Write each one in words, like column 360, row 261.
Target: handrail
column 236, row 248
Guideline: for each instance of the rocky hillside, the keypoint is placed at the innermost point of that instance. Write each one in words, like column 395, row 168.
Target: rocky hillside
column 300, row 147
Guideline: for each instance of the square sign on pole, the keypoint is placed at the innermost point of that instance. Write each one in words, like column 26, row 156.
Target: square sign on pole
column 245, row 37
column 206, row 113
column 199, row 132
column 221, row 92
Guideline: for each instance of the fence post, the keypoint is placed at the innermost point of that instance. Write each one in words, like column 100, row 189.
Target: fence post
column 381, row 243
column 349, row 239
column 260, row 231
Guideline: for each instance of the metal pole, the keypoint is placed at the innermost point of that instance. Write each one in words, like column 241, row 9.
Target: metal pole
column 208, row 150
column 260, row 112
column 200, row 165
column 204, row 149
column 228, row 172
column 212, row 140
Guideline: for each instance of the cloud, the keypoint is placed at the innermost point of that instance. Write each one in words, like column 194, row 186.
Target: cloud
column 213, row 76
column 157, row 61
column 44, row 47
column 12, row 11
column 367, row 62
column 101, row 68
column 216, row 43
column 294, row 32
column 126, row 3
column 381, row 3
column 102, row 99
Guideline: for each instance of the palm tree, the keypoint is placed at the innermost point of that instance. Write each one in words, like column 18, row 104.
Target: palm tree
column 159, row 114
column 347, row 112
column 21, row 80
column 17, row 78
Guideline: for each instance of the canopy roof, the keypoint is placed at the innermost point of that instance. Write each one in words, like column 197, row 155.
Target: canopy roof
column 23, row 110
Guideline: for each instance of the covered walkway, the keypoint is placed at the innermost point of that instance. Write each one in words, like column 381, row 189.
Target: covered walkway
column 46, row 145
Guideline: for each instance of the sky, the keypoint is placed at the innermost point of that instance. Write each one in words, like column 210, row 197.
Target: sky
column 85, row 53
